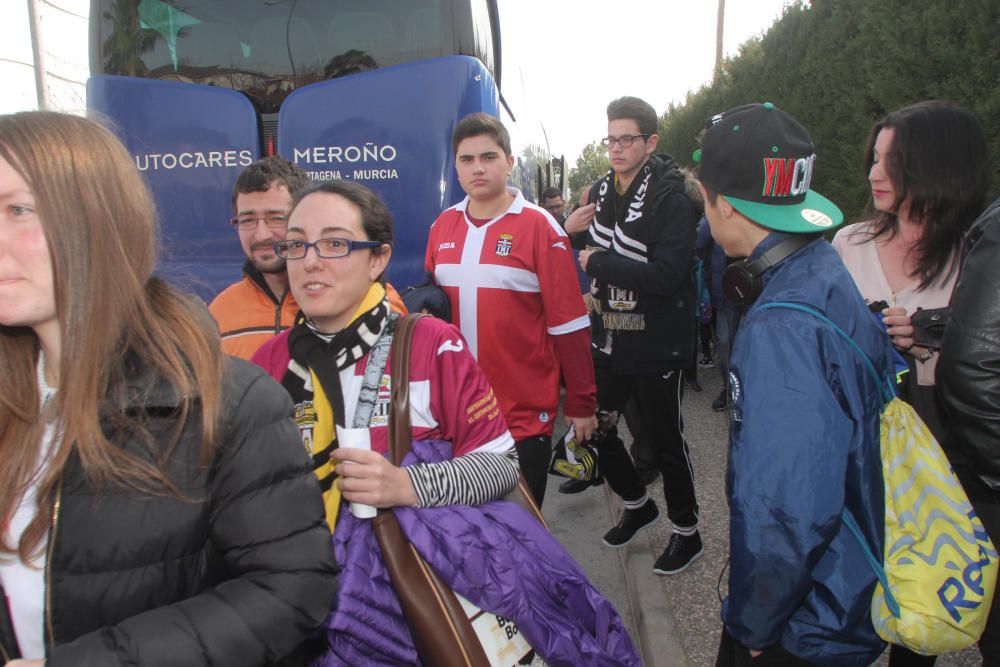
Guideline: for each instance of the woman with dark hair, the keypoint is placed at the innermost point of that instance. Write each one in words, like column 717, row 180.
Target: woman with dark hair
column 929, row 172
column 335, row 362
column 158, row 508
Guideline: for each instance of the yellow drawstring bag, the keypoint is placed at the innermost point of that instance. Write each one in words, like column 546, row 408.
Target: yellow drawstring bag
column 938, row 574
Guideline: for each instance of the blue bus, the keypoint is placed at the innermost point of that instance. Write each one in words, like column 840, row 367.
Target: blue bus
column 369, row 92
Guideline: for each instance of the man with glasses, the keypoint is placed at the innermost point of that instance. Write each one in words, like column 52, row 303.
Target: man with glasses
column 640, row 243
column 260, row 305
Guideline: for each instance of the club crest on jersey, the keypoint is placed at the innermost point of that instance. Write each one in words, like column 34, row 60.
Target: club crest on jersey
column 504, row 244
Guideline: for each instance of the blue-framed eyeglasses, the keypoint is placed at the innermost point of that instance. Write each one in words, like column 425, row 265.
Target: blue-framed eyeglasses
column 329, row 248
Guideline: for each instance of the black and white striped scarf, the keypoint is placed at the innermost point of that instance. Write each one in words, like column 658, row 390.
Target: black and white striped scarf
column 328, row 354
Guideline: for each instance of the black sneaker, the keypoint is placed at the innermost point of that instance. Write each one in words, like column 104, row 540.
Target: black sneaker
column 680, row 552
column 632, row 522
column 706, row 362
column 579, row 485
column 719, row 404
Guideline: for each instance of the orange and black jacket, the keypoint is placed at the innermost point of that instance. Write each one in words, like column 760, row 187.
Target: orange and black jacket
column 249, row 313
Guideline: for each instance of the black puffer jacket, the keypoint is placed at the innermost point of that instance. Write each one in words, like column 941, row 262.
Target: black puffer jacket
column 968, row 372
column 237, row 575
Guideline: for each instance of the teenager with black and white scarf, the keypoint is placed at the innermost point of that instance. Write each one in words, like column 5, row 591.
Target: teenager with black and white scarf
column 641, row 233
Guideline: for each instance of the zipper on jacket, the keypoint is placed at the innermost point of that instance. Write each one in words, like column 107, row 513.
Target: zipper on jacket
column 48, row 567
column 278, row 307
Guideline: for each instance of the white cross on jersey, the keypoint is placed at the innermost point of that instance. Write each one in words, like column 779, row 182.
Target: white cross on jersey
column 470, row 275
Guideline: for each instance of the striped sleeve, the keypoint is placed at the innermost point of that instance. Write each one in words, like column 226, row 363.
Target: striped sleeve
column 472, row 479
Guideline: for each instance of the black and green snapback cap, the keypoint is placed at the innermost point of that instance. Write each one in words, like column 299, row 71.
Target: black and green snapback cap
column 761, row 159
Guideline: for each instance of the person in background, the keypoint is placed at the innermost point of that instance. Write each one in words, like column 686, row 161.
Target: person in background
column 506, row 265
column 259, row 305
column 968, row 384
column 158, row 506
column 908, row 254
column 804, row 438
column 552, row 201
column 641, row 228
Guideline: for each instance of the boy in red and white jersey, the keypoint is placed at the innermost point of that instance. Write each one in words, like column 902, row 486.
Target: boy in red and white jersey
column 508, row 270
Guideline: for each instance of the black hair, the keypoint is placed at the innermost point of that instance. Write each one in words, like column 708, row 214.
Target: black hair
column 259, row 176
column 938, row 161
column 479, row 123
column 551, row 193
column 375, row 216
column 632, row 108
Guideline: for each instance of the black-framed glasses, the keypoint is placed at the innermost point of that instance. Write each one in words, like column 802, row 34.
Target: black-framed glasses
column 246, row 223
column 330, row 248
column 624, row 141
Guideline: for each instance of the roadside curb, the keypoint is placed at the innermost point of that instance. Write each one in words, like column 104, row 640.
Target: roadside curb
column 657, row 637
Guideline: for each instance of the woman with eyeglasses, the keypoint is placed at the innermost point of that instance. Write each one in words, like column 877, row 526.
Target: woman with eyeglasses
column 335, row 364
column 157, row 506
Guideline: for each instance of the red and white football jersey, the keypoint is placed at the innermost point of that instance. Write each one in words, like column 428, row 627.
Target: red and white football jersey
column 513, row 286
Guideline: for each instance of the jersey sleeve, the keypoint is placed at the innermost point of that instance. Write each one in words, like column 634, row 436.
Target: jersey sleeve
column 462, row 400
column 429, row 257
column 557, row 279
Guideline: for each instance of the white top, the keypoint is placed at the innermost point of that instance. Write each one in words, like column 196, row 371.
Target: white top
column 860, row 256
column 23, row 583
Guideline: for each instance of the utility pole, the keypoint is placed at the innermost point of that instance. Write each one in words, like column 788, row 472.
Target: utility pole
column 37, row 55
column 719, row 29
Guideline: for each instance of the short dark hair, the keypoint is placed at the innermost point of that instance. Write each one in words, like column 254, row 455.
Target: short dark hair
column 477, row 124
column 259, row 176
column 632, row 108
column 375, row 216
column 939, row 160
column 551, row 193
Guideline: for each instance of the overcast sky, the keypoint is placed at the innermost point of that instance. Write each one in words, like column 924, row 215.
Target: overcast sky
column 575, row 56
column 564, row 59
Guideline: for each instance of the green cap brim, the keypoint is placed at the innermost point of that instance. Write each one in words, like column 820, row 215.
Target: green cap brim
column 816, row 214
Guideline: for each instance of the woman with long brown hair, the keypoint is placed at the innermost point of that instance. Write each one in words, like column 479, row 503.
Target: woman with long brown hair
column 929, row 172
column 158, row 507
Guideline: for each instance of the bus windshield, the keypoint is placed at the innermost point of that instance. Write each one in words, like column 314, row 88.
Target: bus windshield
column 268, row 48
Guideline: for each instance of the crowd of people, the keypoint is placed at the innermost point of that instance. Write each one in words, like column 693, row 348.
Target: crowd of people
column 192, row 486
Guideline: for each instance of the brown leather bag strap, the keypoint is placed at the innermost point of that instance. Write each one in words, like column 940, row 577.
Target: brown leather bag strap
column 399, row 372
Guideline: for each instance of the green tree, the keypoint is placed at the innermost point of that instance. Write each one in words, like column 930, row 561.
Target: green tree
column 840, row 65
column 592, row 164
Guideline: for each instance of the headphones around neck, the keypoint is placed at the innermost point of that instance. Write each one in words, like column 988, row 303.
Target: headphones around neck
column 742, row 282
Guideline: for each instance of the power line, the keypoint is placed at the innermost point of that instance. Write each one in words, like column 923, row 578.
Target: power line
column 63, row 9
column 63, row 78
column 16, row 62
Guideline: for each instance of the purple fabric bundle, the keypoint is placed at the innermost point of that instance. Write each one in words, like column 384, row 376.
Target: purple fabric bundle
column 498, row 557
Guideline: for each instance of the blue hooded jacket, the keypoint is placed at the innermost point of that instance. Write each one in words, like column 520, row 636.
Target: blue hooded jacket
column 805, row 444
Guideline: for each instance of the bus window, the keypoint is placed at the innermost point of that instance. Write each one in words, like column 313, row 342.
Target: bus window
column 267, row 48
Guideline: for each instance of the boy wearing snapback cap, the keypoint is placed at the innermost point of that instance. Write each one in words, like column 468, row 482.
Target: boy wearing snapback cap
column 804, row 440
